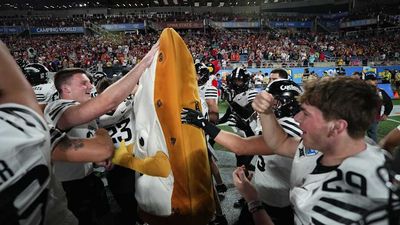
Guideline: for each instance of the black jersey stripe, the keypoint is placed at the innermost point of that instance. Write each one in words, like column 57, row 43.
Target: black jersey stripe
column 13, row 113
column 290, row 122
column 55, row 134
column 53, row 114
column 345, row 206
column 292, row 130
column 62, row 105
column 12, row 110
column 332, row 216
column 316, row 222
column 210, row 96
column 12, row 124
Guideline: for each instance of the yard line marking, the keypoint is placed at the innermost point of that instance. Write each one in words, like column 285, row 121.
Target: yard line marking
column 396, row 121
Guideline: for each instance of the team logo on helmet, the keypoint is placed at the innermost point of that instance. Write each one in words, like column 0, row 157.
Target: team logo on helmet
column 203, row 73
column 36, row 73
column 285, row 93
column 98, row 76
column 239, row 80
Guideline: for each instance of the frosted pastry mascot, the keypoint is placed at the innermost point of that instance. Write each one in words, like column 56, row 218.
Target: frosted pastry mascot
column 174, row 184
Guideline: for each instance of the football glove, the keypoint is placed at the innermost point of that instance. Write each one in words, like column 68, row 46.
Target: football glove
column 196, row 118
column 236, row 121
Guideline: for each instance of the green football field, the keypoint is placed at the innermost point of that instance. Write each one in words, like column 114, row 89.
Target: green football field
column 384, row 126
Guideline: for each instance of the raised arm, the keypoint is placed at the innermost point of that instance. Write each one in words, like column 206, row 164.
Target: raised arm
column 274, row 136
column 14, row 88
column 109, row 98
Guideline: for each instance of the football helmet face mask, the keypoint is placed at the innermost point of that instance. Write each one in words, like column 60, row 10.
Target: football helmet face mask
column 36, row 73
column 238, row 80
column 203, row 73
column 285, row 93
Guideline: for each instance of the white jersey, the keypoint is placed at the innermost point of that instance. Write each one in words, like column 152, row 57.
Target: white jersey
column 120, row 123
column 272, row 174
column 338, row 195
column 67, row 171
column 24, row 165
column 207, row 92
column 243, row 99
column 45, row 93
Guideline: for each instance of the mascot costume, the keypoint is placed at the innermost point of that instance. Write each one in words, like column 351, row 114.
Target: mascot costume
column 173, row 182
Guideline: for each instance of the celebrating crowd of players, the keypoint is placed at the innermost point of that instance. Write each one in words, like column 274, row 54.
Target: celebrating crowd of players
column 314, row 164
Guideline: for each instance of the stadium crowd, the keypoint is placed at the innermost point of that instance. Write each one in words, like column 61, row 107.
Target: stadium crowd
column 316, row 161
column 229, row 47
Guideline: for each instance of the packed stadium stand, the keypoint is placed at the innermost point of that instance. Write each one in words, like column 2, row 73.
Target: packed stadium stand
column 308, row 38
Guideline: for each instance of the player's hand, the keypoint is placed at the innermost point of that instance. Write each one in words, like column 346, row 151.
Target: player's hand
column 235, row 120
column 193, row 117
column 196, row 118
column 148, row 58
column 243, row 184
column 263, row 103
column 104, row 138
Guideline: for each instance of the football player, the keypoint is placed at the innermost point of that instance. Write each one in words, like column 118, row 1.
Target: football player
column 272, row 173
column 120, row 124
column 209, row 98
column 240, row 105
column 338, row 184
column 38, row 76
column 76, row 112
column 240, row 98
column 29, row 192
column 25, row 155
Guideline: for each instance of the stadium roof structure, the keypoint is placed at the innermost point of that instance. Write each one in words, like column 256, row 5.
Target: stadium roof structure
column 65, row 4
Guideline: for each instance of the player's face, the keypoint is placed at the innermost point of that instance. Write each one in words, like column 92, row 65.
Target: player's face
column 273, row 76
column 80, row 87
column 238, row 82
column 314, row 127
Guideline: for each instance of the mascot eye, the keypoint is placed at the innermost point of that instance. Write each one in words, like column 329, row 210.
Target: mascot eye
column 141, row 141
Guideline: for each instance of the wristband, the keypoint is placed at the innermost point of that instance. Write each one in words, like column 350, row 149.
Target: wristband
column 254, row 206
column 211, row 130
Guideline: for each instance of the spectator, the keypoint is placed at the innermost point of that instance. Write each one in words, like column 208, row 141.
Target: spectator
column 386, row 104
